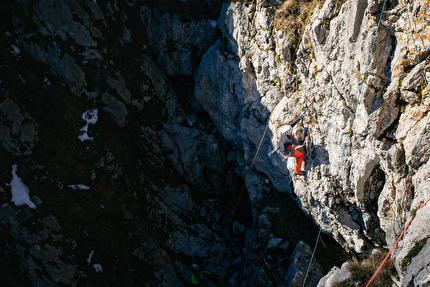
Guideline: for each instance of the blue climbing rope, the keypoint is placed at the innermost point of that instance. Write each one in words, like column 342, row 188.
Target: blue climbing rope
column 344, row 146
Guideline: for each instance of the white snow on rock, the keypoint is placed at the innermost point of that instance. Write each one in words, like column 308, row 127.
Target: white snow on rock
column 91, row 117
column 20, row 192
column 15, row 50
column 90, row 257
column 78, row 186
column 98, row 267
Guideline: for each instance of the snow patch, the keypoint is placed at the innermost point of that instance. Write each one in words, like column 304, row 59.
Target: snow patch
column 91, row 117
column 78, row 186
column 20, row 192
column 98, row 268
column 15, row 50
column 90, row 257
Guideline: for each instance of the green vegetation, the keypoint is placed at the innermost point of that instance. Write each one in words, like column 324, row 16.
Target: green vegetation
column 291, row 17
column 414, row 211
column 326, row 23
column 294, row 40
column 401, row 104
column 421, row 87
column 413, row 252
column 362, row 271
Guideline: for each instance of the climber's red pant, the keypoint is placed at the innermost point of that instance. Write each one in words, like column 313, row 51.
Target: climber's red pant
column 299, row 159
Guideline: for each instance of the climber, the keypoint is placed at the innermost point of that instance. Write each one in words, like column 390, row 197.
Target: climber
column 200, row 275
column 287, row 145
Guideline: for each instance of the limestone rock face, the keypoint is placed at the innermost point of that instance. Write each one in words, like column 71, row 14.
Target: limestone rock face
column 48, row 246
column 300, row 262
column 414, row 270
column 142, row 199
column 364, row 100
column 215, row 83
column 180, row 44
column 336, row 274
column 195, row 104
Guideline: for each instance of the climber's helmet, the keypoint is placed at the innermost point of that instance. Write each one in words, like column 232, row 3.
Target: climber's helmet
column 286, row 129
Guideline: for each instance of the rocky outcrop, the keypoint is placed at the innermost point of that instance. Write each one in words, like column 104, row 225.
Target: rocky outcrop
column 410, row 260
column 46, row 261
column 180, row 44
column 356, row 173
column 299, row 267
column 163, row 167
column 18, row 131
column 144, row 197
column 335, row 275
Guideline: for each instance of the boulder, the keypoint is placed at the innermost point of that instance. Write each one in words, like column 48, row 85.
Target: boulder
column 43, row 261
column 18, row 131
column 335, row 275
column 300, row 260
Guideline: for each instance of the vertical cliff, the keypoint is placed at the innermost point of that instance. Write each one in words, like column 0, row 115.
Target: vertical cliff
column 128, row 177
column 365, row 102
column 127, row 129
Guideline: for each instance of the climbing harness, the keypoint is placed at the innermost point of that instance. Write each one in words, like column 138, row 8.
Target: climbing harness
column 287, row 153
column 344, row 147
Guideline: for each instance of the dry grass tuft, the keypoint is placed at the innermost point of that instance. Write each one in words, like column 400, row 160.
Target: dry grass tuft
column 362, row 272
column 291, row 17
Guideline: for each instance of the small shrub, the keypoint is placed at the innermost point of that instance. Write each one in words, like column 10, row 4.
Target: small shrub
column 293, row 40
column 413, row 252
column 294, row 9
column 421, row 87
column 414, row 211
column 291, row 17
column 326, row 23
column 362, row 271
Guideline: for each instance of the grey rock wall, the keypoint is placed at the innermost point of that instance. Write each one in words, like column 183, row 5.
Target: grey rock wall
column 123, row 59
column 48, row 246
column 154, row 177
column 377, row 151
